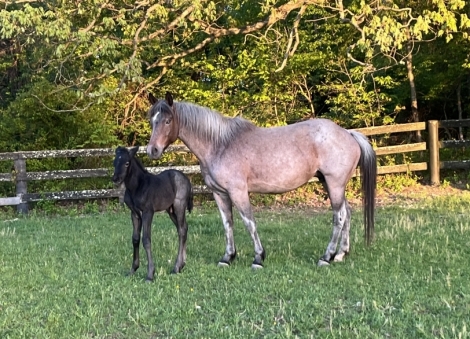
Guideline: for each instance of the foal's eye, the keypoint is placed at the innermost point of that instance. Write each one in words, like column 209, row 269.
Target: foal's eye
column 127, row 164
column 168, row 121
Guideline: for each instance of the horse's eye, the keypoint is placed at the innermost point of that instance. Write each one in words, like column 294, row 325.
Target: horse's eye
column 127, row 164
column 168, row 121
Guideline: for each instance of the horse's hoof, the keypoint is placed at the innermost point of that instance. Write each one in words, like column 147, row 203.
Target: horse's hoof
column 256, row 266
column 322, row 262
column 149, row 280
column 339, row 257
column 223, row 264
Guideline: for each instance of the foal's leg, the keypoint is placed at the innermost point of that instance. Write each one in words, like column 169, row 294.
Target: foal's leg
column 225, row 208
column 178, row 216
column 137, row 227
column 341, row 218
column 241, row 201
column 147, row 242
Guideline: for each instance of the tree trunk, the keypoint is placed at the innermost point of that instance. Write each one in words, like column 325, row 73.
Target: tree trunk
column 411, row 79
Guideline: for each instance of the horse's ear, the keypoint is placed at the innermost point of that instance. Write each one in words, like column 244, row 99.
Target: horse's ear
column 152, row 99
column 133, row 151
column 169, row 98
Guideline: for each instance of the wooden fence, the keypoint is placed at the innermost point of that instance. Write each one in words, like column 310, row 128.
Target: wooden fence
column 20, row 176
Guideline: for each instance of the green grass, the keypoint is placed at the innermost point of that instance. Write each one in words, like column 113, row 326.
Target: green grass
column 65, row 277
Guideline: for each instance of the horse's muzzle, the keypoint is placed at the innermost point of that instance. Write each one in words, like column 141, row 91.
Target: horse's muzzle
column 153, row 152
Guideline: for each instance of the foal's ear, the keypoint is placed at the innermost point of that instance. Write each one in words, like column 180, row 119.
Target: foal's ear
column 169, row 98
column 152, row 99
column 133, row 151
column 119, row 149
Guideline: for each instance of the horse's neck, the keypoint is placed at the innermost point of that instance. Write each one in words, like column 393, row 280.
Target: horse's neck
column 201, row 148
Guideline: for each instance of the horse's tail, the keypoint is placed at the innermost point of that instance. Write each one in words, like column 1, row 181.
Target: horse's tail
column 368, row 167
column 190, row 198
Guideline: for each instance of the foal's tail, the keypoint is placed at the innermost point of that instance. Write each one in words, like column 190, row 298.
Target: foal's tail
column 368, row 166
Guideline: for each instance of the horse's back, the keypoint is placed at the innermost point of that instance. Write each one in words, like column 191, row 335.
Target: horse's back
column 279, row 159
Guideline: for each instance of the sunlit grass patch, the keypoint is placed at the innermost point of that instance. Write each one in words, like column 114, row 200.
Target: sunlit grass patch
column 65, row 277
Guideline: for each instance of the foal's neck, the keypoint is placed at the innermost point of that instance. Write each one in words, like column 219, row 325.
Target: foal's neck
column 135, row 175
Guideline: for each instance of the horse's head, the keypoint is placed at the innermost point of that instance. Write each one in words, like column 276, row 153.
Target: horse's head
column 164, row 122
column 122, row 162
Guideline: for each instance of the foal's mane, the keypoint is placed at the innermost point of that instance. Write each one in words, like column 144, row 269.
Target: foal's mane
column 139, row 164
column 210, row 125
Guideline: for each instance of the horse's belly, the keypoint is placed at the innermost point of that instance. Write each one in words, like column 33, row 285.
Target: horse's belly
column 281, row 184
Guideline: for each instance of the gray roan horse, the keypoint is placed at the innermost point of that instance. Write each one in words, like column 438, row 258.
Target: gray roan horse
column 237, row 157
column 147, row 193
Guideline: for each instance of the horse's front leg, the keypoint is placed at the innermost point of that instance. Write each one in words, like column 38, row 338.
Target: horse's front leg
column 241, row 201
column 147, row 242
column 137, row 227
column 225, row 208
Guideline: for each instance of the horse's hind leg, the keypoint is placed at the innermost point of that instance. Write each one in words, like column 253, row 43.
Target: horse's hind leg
column 225, row 208
column 344, row 243
column 341, row 222
column 178, row 216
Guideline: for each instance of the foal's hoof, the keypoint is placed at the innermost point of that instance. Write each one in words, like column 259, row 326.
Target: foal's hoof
column 223, row 264
column 177, row 269
column 322, row 262
column 149, row 280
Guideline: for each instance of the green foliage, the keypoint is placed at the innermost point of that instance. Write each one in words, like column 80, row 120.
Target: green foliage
column 340, row 67
column 397, row 182
column 39, row 119
column 75, row 74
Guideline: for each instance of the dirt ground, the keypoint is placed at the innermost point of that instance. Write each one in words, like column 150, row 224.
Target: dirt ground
column 415, row 194
column 407, row 197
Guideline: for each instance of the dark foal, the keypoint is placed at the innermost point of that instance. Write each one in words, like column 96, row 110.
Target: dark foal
column 146, row 194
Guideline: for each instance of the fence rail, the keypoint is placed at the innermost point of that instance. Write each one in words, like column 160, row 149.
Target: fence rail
column 20, row 176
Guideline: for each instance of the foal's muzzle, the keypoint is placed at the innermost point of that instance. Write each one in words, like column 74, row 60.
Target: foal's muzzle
column 117, row 180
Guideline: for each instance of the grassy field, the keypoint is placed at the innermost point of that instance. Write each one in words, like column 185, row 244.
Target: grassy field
column 65, row 277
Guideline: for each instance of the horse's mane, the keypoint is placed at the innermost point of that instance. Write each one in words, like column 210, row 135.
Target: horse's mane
column 210, row 125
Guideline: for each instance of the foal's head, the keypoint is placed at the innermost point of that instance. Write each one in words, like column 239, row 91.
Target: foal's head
column 165, row 125
column 122, row 162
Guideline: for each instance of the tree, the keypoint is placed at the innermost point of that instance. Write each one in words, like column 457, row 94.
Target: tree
column 235, row 54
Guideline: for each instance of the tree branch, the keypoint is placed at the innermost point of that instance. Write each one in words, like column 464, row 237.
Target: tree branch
column 293, row 34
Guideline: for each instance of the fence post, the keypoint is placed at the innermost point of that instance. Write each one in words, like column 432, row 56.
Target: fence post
column 21, row 184
column 434, row 165
column 121, row 195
